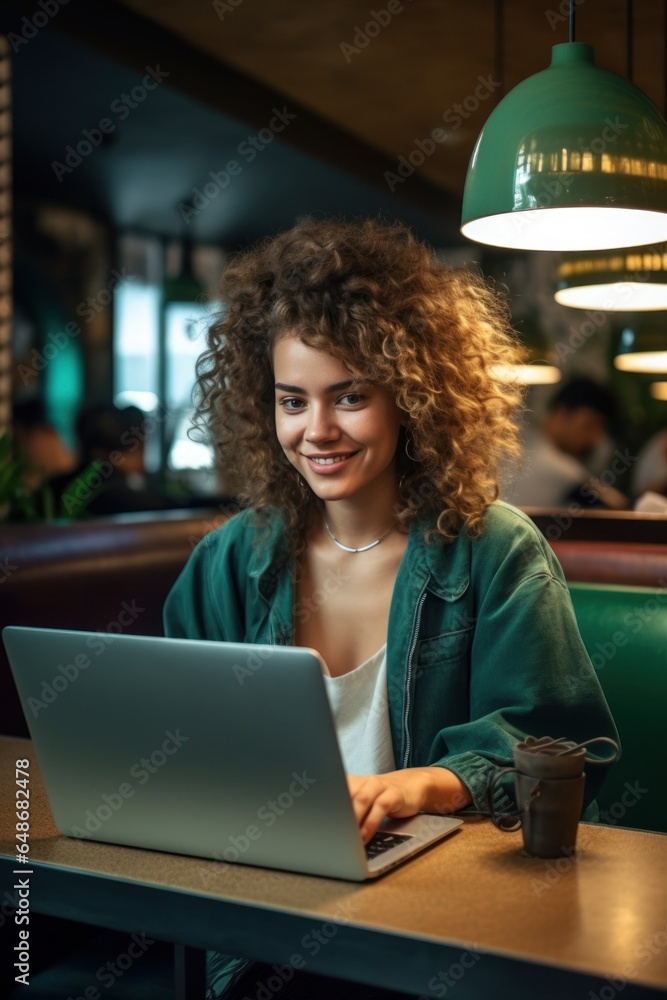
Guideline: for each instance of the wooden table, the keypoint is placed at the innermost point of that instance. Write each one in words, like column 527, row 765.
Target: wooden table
column 472, row 914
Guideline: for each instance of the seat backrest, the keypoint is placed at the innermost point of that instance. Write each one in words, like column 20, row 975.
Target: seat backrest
column 632, row 564
column 625, row 632
column 109, row 574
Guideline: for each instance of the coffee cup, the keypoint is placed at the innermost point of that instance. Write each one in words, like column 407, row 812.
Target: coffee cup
column 549, row 783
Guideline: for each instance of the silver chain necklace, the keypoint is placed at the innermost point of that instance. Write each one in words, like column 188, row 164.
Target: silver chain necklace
column 364, row 548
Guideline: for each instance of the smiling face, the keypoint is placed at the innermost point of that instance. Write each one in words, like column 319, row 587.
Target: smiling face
column 340, row 435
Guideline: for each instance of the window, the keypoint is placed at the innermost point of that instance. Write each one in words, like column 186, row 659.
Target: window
column 157, row 340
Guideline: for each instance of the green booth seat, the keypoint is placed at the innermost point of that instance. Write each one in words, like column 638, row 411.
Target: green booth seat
column 625, row 632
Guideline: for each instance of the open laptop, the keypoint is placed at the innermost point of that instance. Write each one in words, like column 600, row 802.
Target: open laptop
column 220, row 750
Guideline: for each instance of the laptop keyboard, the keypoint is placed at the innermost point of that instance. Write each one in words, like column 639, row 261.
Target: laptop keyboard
column 382, row 842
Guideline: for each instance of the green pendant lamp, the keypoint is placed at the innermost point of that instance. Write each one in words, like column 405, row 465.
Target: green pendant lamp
column 574, row 158
column 643, row 345
column 633, row 280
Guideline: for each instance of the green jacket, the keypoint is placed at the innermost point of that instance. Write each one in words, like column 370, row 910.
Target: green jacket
column 483, row 646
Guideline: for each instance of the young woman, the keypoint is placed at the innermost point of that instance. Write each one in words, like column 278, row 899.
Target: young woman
column 358, row 387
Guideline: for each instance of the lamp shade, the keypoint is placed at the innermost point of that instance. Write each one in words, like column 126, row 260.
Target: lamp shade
column 632, row 280
column 573, row 158
column 643, row 345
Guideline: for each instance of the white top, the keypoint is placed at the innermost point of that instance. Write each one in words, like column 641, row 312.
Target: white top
column 360, row 709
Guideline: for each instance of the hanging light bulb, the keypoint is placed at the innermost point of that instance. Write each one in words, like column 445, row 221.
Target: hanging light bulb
column 574, row 158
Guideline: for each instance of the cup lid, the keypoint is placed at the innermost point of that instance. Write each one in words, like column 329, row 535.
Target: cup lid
column 558, row 758
column 549, row 758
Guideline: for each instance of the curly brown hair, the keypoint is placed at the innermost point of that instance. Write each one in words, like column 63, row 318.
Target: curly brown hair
column 371, row 294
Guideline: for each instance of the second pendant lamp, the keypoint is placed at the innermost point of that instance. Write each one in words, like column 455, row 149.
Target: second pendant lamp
column 573, row 158
column 621, row 281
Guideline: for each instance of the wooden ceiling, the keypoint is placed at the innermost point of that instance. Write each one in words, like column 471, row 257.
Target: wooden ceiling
column 428, row 58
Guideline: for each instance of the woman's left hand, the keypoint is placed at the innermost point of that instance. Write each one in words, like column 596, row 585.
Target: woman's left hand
column 404, row 793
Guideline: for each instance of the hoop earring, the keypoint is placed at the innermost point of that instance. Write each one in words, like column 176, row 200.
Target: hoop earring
column 408, row 441
column 303, row 487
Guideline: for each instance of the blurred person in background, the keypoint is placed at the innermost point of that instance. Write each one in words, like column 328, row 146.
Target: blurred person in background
column 650, row 471
column 110, row 477
column 39, row 444
column 553, row 472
